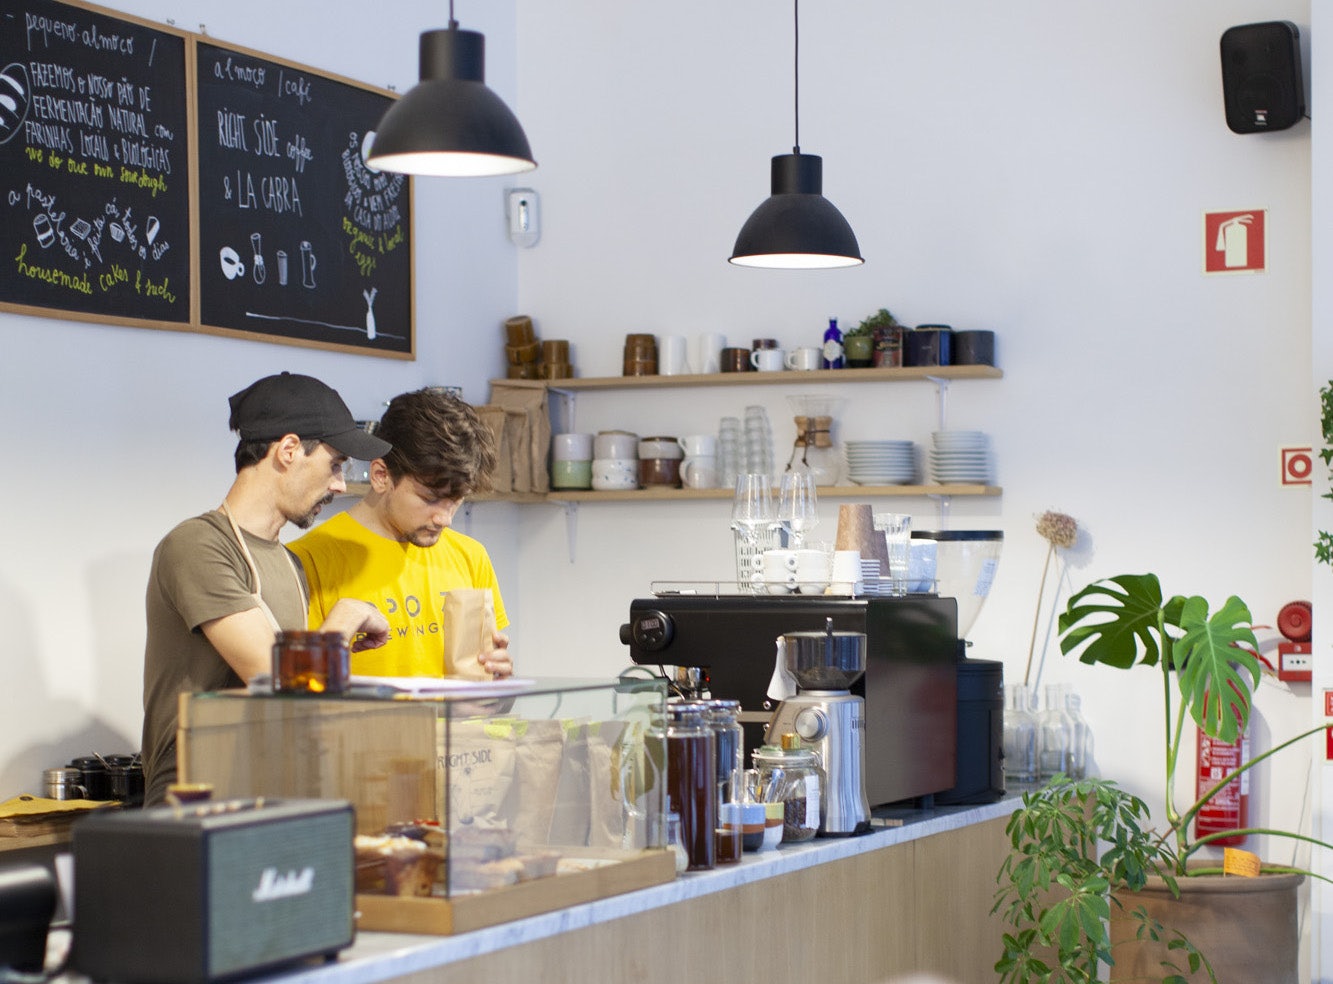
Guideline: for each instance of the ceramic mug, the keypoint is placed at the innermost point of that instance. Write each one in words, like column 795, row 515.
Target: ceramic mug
column 707, row 355
column 780, row 571
column 672, row 359
column 845, row 573
column 805, row 358
column 699, row 445
column 571, row 474
column 736, row 360
column 615, row 444
column 699, row 472
column 615, row 474
column 768, row 359
column 571, row 447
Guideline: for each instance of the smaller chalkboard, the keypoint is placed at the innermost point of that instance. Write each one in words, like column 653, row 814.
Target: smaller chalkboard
column 94, row 165
column 299, row 241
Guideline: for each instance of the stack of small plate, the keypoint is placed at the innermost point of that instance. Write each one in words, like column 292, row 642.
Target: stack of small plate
column 962, row 458
column 881, row 462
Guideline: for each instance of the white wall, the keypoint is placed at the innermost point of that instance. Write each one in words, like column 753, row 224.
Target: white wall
column 1039, row 169
column 122, row 432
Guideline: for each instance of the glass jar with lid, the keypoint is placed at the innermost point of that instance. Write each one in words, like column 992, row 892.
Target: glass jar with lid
column 730, row 742
column 691, row 748
column 791, row 775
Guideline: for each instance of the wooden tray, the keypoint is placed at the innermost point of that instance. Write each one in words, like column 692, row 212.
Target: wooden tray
column 464, row 913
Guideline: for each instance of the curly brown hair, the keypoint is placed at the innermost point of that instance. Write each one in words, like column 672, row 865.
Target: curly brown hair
column 438, row 440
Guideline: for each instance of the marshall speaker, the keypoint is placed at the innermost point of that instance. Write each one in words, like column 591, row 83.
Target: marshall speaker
column 212, row 890
column 1261, row 77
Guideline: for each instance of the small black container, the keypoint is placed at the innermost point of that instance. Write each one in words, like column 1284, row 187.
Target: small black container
column 928, row 345
column 126, row 776
column 974, row 348
column 95, row 781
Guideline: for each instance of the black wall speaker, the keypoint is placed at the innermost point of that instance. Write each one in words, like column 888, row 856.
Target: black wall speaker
column 1261, row 76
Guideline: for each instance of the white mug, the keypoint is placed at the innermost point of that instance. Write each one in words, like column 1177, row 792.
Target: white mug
column 805, row 358
column 699, row 445
column 845, row 575
column 707, row 356
column 780, row 571
column 699, row 472
column 571, row 447
column 812, row 571
column 767, row 360
column 671, row 356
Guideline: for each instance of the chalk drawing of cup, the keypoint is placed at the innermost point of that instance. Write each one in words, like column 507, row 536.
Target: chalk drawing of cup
column 232, row 267
column 45, row 234
column 117, row 233
column 282, row 267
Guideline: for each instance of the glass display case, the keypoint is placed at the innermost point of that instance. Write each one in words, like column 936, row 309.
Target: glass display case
column 473, row 806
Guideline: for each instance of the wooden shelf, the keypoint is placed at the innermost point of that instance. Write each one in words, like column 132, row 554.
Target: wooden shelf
column 663, row 494
column 784, row 378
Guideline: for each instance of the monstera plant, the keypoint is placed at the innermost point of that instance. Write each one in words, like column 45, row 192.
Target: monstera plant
column 1080, row 850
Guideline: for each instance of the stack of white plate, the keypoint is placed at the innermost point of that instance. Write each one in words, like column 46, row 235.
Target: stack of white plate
column 881, row 462
column 962, row 458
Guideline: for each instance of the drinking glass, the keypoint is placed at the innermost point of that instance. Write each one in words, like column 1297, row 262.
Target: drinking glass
column 798, row 506
column 752, row 507
column 897, row 530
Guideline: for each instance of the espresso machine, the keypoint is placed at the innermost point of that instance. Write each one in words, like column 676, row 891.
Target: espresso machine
column 829, row 719
column 710, row 643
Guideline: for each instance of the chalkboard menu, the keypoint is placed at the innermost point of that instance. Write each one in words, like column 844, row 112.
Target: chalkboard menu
column 298, row 239
column 94, row 165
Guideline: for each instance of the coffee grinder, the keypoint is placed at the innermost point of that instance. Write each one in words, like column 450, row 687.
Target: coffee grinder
column 829, row 719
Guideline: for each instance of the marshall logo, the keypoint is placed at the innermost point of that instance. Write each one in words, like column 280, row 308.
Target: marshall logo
column 273, row 886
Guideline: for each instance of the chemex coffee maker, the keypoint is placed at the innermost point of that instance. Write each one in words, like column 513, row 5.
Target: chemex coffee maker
column 829, row 719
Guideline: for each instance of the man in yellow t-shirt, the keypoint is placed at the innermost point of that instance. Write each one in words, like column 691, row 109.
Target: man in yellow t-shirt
column 394, row 547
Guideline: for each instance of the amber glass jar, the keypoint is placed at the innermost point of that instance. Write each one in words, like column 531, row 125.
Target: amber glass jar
column 310, row 663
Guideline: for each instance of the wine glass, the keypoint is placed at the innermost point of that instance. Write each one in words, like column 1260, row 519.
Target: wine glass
column 798, row 506
column 752, row 507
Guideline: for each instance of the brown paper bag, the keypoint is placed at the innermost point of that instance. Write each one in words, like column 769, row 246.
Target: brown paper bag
column 502, row 476
column 528, row 434
column 468, row 628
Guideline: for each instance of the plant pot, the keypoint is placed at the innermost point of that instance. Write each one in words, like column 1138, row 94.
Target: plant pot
column 859, row 350
column 1246, row 927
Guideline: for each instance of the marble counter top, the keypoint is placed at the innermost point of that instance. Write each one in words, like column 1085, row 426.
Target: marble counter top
column 383, row 956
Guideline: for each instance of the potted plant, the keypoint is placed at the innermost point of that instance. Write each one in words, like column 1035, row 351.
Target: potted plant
column 1085, row 877
column 861, row 344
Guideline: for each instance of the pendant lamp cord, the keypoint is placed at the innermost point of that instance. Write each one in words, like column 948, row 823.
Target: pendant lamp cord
column 796, row 71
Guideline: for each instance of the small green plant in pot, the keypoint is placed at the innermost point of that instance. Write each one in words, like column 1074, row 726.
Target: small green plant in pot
column 1080, row 851
column 859, row 343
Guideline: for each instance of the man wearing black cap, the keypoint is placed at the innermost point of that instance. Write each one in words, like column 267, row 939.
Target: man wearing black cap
column 221, row 585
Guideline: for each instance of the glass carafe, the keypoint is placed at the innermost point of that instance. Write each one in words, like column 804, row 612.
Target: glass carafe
column 1020, row 738
column 814, row 450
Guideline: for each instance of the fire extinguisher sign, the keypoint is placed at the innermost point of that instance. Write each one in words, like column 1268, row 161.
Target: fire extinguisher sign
column 1234, row 242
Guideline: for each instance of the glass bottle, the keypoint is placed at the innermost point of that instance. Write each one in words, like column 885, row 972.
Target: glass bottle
column 1080, row 748
column 692, row 780
column 674, row 843
column 730, row 742
column 1020, row 738
column 1054, row 735
column 832, row 346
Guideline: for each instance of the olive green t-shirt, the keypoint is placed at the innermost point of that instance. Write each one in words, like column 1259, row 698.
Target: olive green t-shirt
column 199, row 574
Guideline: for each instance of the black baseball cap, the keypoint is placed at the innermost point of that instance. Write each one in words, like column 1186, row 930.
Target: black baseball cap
column 301, row 405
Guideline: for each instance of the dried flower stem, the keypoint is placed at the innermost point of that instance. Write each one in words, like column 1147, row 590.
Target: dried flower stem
column 1036, row 616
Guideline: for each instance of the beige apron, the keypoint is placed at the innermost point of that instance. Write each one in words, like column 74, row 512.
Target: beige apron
column 254, row 573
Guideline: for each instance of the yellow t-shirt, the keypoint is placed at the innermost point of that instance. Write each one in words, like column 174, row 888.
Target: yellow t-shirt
column 343, row 559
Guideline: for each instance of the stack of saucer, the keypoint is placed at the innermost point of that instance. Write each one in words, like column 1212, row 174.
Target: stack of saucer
column 881, row 462
column 962, row 458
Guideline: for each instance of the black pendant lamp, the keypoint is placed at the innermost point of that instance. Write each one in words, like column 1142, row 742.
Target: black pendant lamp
column 451, row 124
column 797, row 227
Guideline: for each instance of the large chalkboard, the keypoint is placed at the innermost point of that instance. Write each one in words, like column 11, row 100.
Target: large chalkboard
column 94, row 165
column 298, row 239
